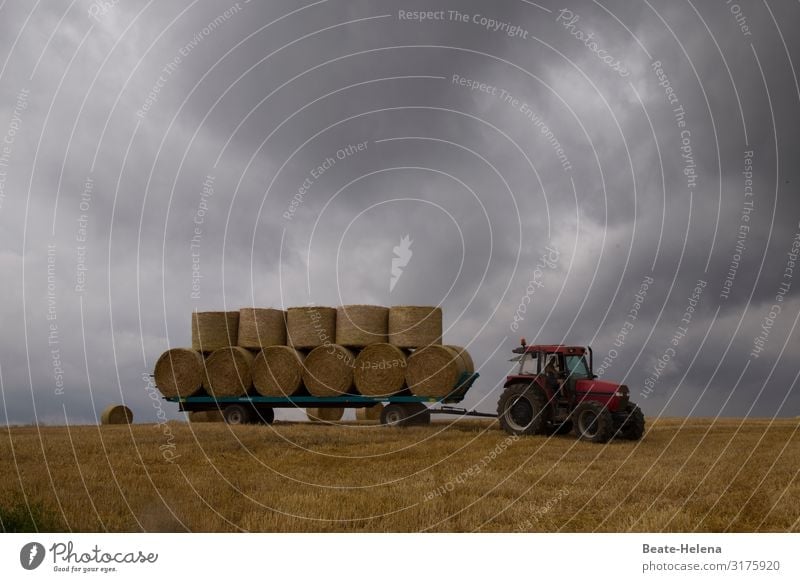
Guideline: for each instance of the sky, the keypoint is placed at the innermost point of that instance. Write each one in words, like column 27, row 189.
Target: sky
column 591, row 173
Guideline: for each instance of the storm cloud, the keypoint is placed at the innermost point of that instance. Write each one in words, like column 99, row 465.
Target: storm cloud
column 653, row 147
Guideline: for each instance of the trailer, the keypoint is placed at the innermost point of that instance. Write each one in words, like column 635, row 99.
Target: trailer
column 398, row 410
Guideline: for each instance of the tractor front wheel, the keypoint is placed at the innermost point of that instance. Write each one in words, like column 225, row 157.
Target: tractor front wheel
column 593, row 422
column 521, row 410
column 633, row 427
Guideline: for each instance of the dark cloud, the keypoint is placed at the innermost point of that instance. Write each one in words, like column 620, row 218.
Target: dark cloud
column 556, row 148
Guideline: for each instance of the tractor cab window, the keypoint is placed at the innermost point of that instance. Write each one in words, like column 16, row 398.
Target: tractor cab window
column 577, row 368
column 553, row 361
column 528, row 364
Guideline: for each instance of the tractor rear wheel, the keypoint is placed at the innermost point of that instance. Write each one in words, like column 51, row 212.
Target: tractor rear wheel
column 593, row 422
column 633, row 428
column 521, row 410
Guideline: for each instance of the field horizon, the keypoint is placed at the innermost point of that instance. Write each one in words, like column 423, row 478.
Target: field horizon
column 686, row 474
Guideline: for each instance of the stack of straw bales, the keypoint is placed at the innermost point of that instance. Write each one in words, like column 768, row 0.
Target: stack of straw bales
column 212, row 330
column 310, row 327
column 358, row 326
column 321, row 351
column 261, row 328
column 228, row 372
column 434, row 368
column 413, row 327
column 179, row 372
column 278, row 371
column 380, row 370
column 328, row 371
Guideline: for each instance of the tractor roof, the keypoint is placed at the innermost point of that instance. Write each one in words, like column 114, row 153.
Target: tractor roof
column 550, row 349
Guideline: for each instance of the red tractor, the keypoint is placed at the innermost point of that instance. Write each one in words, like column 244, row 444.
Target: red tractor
column 554, row 391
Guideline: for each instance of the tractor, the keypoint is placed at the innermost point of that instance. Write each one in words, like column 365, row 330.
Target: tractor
column 554, row 391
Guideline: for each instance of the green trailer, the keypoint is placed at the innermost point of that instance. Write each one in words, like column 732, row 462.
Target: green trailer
column 399, row 410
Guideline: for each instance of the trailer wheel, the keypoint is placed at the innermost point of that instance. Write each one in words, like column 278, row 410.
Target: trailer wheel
column 394, row 415
column 265, row 415
column 236, row 414
column 633, row 427
column 521, row 410
column 593, row 422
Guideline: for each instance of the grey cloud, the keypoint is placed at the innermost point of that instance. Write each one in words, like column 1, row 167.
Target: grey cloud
column 137, row 301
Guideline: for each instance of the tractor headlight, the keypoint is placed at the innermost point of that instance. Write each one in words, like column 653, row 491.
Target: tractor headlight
column 622, row 394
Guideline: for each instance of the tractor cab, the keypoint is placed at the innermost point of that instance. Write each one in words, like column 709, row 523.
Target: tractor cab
column 553, row 389
column 562, row 366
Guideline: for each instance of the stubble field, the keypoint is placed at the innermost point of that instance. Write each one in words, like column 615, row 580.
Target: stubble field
column 685, row 475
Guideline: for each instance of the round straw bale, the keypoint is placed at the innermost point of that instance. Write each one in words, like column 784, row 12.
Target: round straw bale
column 433, row 371
column 369, row 413
column 324, row 414
column 228, row 372
column 309, row 327
column 278, row 371
column 260, row 328
column 469, row 365
column 206, row 416
column 179, row 372
column 414, row 326
column 380, row 370
column 212, row 330
column 328, row 370
column 117, row 414
column 361, row 325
